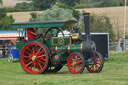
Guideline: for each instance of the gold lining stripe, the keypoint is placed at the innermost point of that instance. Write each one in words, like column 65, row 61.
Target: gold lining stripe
column 81, row 47
column 66, row 37
column 68, row 48
column 70, row 41
column 56, row 48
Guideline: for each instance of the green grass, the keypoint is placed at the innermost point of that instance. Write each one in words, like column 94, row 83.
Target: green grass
column 115, row 72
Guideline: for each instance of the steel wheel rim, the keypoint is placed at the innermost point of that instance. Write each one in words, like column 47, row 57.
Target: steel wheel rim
column 54, row 68
column 75, row 63
column 34, row 58
column 97, row 64
column 10, row 58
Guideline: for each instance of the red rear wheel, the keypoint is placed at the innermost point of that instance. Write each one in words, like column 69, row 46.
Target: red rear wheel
column 76, row 63
column 98, row 63
column 34, row 58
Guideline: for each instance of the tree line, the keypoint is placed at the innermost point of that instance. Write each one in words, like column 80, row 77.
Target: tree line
column 5, row 21
column 45, row 4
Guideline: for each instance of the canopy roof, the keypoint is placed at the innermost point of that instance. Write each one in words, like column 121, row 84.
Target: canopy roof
column 45, row 24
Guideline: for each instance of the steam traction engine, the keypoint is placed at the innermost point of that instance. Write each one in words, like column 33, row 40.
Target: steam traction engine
column 49, row 52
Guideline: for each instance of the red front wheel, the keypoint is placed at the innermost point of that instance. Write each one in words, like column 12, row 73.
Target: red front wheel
column 34, row 58
column 76, row 63
column 97, row 66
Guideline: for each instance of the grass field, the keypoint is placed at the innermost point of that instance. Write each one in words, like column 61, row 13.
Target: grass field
column 115, row 72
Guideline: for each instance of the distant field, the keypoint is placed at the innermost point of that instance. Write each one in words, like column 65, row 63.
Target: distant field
column 21, row 16
column 115, row 14
column 115, row 72
column 12, row 3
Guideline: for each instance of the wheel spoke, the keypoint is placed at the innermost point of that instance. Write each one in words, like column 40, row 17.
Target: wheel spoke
column 98, row 59
column 43, row 59
column 72, row 60
column 29, row 50
column 35, row 47
column 40, row 61
column 78, row 67
column 97, row 67
column 34, row 67
column 74, row 68
column 27, row 53
column 75, row 58
column 41, row 56
column 93, row 67
column 29, row 63
column 98, row 63
column 37, row 66
column 28, row 60
column 79, row 64
column 40, row 65
column 33, row 51
column 38, row 51
column 27, row 57
column 31, row 66
column 72, row 64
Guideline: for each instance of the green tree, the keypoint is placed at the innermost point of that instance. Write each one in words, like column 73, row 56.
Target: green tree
column 69, row 2
column 5, row 21
column 33, row 16
column 56, row 13
column 23, row 6
column 0, row 1
column 75, row 13
column 43, row 4
column 99, row 3
column 119, row 2
column 102, row 24
column 99, row 23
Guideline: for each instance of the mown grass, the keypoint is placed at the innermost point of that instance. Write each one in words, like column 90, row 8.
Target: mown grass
column 115, row 72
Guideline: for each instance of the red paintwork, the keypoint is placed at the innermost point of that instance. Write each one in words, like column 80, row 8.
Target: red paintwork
column 40, row 62
column 56, row 57
column 8, row 38
column 30, row 36
column 74, row 58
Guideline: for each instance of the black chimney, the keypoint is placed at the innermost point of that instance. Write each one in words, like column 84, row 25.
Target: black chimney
column 87, row 25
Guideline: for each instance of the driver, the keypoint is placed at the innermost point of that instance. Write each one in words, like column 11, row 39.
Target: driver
column 31, row 33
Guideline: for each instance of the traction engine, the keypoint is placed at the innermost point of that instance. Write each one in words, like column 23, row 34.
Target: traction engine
column 50, row 52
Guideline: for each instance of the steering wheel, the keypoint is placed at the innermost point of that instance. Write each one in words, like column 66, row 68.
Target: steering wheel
column 39, row 36
column 54, row 32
